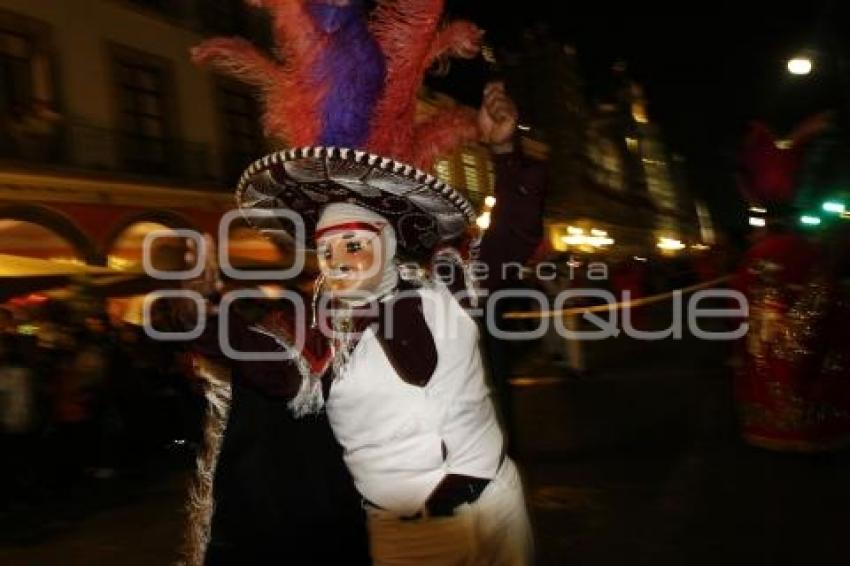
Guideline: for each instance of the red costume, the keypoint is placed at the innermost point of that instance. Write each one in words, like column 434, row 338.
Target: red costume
column 793, row 387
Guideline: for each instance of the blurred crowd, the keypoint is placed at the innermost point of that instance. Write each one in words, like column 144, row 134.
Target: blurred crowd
column 85, row 400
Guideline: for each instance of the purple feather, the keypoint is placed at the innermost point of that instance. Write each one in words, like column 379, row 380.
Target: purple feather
column 353, row 68
column 330, row 16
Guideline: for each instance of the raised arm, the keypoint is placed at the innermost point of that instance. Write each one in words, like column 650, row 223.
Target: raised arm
column 516, row 223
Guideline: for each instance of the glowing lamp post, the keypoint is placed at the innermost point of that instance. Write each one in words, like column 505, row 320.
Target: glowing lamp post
column 670, row 245
column 800, row 66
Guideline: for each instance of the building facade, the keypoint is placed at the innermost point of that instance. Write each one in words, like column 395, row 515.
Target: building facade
column 470, row 169
column 614, row 182
column 106, row 125
column 107, row 129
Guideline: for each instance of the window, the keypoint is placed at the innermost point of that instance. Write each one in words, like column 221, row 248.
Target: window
column 145, row 102
column 639, row 113
column 28, row 118
column 606, row 163
column 15, row 72
column 223, row 17
column 240, row 117
column 471, row 176
column 491, row 177
column 444, row 171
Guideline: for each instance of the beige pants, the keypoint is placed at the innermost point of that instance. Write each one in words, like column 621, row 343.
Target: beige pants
column 493, row 531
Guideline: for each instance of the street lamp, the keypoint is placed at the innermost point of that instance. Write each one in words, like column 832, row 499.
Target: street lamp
column 834, row 207
column 483, row 221
column 800, row 66
column 670, row 244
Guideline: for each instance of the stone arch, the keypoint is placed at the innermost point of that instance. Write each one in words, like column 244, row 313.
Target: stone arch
column 123, row 246
column 58, row 223
column 167, row 218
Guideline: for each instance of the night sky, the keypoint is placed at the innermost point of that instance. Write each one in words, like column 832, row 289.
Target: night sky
column 708, row 67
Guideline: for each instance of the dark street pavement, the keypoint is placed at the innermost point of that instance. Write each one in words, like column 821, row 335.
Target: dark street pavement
column 637, row 463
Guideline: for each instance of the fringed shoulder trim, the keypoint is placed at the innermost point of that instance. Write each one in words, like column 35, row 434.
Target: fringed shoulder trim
column 218, row 394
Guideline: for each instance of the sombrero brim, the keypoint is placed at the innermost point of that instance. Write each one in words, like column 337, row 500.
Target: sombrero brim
column 424, row 211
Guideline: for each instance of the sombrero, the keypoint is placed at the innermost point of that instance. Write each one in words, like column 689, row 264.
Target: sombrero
column 423, row 210
column 346, row 98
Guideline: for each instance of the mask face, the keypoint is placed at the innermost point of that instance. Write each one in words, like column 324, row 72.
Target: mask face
column 351, row 261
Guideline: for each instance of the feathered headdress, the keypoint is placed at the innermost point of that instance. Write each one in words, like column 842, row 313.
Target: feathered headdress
column 769, row 166
column 337, row 79
column 341, row 91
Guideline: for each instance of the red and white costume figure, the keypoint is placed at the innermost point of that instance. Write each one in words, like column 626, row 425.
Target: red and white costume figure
column 392, row 371
column 793, row 388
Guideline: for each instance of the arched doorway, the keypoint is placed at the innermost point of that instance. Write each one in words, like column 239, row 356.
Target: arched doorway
column 124, row 246
column 127, row 248
column 39, row 232
column 28, row 239
column 37, row 243
column 125, row 253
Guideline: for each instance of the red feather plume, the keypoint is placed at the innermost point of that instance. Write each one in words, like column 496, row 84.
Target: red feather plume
column 442, row 133
column 408, row 33
column 291, row 96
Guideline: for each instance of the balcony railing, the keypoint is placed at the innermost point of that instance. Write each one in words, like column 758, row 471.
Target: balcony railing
column 83, row 148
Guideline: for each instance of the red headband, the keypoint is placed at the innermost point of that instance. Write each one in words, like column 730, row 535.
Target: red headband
column 348, row 226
